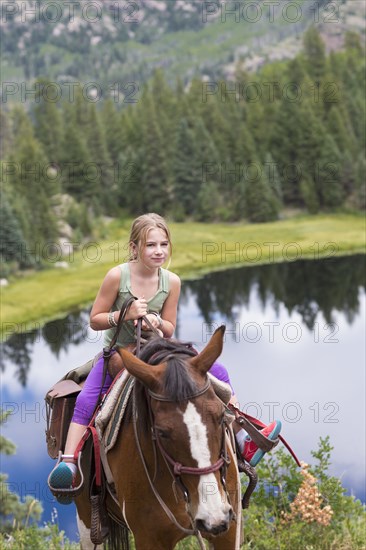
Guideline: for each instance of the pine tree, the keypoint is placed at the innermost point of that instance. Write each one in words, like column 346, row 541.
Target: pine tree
column 296, row 71
column 130, row 191
column 187, row 170
column 356, row 112
column 207, row 202
column 155, row 183
column 166, row 109
column 97, row 149
column 314, row 51
column 197, row 100
column 218, row 128
column 310, row 145
column 81, row 112
column 285, row 139
column 348, row 174
column 238, row 171
column 339, row 128
column 260, row 202
column 329, row 175
column 47, row 121
column 253, row 126
column 309, row 194
column 205, row 154
column 111, row 120
column 12, row 241
column 75, row 161
column 30, row 186
column 164, row 99
column 273, row 178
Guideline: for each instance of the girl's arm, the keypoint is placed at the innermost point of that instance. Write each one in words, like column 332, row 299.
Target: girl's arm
column 169, row 311
column 105, row 299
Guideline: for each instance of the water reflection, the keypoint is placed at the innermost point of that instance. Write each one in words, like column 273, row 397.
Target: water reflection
column 57, row 335
column 308, row 288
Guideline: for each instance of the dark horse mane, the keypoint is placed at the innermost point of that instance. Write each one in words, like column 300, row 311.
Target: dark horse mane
column 177, row 384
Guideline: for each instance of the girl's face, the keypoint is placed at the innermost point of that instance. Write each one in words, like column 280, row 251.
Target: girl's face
column 156, row 250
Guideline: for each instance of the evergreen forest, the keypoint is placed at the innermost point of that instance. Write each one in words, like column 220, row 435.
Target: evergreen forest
column 287, row 138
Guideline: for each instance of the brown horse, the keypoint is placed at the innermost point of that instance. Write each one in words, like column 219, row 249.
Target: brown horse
column 173, row 463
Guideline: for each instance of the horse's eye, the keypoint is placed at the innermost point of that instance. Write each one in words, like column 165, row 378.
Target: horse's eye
column 163, row 434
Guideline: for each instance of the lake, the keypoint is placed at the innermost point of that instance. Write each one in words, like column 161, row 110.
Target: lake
column 294, row 348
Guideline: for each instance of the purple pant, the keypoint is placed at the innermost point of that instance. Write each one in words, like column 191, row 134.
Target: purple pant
column 87, row 398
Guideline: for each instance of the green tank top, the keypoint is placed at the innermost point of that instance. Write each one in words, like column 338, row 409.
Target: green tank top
column 127, row 333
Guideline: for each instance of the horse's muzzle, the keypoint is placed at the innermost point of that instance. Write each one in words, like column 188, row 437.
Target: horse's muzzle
column 215, row 528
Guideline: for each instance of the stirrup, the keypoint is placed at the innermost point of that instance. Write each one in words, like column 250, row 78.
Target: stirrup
column 263, row 442
column 72, row 492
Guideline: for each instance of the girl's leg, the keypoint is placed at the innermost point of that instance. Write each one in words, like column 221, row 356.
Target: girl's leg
column 63, row 475
column 75, row 433
column 87, row 398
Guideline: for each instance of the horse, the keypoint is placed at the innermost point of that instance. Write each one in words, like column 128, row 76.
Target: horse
column 174, row 465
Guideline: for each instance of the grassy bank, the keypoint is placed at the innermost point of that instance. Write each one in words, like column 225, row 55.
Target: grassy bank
column 32, row 299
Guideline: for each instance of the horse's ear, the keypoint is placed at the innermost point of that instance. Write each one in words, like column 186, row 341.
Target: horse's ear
column 204, row 360
column 148, row 374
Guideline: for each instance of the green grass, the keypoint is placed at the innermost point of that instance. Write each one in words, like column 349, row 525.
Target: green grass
column 34, row 298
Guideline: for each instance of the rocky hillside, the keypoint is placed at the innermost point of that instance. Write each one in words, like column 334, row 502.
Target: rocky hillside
column 120, row 43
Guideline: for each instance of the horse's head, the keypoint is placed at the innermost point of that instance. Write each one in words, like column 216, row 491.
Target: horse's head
column 189, row 424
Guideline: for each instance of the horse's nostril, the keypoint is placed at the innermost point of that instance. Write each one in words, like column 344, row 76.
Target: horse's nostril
column 200, row 525
column 221, row 528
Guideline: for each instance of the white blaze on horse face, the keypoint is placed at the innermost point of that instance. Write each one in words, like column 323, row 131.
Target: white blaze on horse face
column 212, row 507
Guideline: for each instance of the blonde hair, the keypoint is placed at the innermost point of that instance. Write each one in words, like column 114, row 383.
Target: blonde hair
column 141, row 227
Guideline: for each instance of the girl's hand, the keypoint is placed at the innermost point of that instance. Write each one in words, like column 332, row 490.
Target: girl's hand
column 137, row 309
column 153, row 320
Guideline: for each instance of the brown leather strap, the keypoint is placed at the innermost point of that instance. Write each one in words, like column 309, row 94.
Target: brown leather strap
column 179, row 469
column 138, row 333
column 108, row 349
column 122, row 314
column 256, row 435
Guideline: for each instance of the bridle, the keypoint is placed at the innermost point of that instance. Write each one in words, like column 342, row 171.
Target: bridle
column 178, row 469
column 175, row 468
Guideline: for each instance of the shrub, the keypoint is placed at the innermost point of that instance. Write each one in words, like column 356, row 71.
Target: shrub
column 302, row 509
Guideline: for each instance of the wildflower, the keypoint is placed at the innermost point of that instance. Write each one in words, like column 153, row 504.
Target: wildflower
column 307, row 504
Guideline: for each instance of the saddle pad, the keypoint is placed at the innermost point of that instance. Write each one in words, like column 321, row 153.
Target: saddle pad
column 109, row 419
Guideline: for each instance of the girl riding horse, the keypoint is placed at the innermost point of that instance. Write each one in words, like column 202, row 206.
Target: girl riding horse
column 158, row 292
